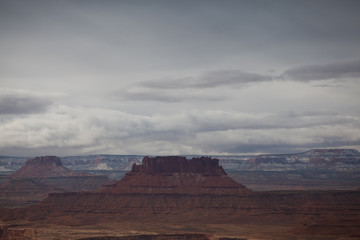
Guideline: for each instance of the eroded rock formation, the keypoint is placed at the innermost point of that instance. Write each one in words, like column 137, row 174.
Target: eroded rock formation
column 42, row 167
column 176, row 175
column 43, row 175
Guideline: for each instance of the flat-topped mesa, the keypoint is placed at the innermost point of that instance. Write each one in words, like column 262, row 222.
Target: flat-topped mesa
column 176, row 164
column 176, row 175
column 44, row 160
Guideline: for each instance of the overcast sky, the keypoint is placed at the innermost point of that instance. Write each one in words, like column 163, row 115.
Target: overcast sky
column 163, row 77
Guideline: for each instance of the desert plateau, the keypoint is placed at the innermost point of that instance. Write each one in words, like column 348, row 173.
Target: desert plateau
column 172, row 197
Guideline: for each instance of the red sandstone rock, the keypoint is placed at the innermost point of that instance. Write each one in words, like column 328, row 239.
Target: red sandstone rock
column 175, row 164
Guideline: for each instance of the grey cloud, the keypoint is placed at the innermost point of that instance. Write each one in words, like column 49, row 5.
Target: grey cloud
column 223, row 121
column 278, row 140
column 166, row 96
column 23, row 104
column 192, row 88
column 101, row 130
column 209, row 80
column 230, row 77
column 338, row 70
column 151, row 96
column 219, row 78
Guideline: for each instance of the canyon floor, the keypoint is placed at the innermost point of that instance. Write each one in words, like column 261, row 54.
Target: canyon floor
column 44, row 231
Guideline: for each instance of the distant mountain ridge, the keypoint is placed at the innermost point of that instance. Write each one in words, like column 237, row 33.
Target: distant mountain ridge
column 316, row 159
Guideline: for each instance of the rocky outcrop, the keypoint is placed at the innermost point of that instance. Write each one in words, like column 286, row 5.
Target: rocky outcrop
column 17, row 234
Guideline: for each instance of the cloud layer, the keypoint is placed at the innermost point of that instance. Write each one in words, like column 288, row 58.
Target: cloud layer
column 201, row 87
column 36, row 120
column 208, row 80
column 338, row 70
column 66, row 130
column 176, row 77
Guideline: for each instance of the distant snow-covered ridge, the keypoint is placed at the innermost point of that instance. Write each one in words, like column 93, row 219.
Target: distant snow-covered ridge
column 316, row 159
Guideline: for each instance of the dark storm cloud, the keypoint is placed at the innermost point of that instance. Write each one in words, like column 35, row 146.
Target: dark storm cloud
column 23, row 104
column 338, row 70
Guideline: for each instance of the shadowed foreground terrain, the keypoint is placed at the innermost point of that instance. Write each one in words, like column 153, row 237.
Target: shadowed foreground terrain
column 173, row 195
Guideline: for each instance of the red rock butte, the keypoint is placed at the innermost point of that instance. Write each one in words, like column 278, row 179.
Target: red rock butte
column 177, row 175
column 45, row 166
column 43, row 175
column 174, row 164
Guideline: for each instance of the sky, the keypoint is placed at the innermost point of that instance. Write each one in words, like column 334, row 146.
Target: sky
column 166, row 77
